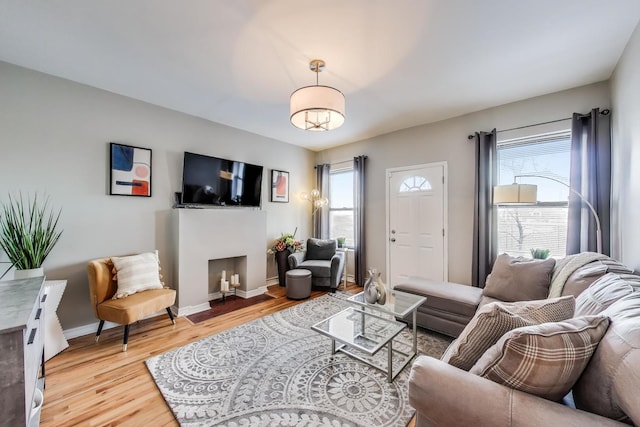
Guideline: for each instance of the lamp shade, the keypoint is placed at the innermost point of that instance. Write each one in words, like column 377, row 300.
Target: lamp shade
column 317, row 108
column 515, row 194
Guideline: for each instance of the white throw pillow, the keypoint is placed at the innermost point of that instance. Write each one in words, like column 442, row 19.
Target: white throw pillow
column 136, row 273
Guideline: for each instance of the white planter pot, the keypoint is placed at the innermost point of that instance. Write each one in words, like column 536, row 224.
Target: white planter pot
column 26, row 274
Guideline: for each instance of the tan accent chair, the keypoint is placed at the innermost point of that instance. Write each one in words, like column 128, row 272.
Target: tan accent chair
column 123, row 311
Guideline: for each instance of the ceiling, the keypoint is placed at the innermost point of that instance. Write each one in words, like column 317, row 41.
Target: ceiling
column 400, row 63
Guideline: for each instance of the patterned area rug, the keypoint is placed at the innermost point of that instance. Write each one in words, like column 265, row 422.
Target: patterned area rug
column 277, row 371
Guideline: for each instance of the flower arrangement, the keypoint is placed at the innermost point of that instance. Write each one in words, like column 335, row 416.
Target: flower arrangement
column 284, row 242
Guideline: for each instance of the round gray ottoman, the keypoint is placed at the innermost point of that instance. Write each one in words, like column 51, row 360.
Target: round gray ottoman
column 298, row 284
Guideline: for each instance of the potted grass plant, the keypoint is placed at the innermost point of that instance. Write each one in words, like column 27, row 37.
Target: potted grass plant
column 28, row 233
column 540, row 253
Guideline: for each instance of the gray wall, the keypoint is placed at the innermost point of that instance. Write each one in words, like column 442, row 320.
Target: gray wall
column 447, row 141
column 54, row 137
column 625, row 89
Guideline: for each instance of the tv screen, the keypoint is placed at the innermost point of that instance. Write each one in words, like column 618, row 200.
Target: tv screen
column 210, row 180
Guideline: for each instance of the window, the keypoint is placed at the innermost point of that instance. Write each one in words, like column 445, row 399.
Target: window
column 544, row 225
column 341, row 205
column 415, row 183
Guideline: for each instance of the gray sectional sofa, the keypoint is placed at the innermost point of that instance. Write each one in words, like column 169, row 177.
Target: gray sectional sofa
column 607, row 391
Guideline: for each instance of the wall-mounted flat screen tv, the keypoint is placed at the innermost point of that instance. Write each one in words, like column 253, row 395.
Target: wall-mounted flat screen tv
column 214, row 181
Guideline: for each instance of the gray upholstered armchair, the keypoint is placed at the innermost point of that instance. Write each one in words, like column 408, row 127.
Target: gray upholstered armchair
column 322, row 260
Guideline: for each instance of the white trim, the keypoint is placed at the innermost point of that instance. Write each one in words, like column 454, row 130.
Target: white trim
column 240, row 293
column 191, row 309
column 348, row 166
column 252, row 293
column 92, row 328
column 445, row 207
column 89, row 329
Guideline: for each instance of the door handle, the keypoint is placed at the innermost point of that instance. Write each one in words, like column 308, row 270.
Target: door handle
column 393, row 239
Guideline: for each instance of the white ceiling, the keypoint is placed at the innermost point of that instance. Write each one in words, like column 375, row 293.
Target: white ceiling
column 400, row 63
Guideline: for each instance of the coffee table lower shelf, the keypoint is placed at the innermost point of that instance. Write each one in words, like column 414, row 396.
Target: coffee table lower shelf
column 349, row 328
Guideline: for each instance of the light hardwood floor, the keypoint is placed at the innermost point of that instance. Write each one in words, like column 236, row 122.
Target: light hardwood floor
column 97, row 384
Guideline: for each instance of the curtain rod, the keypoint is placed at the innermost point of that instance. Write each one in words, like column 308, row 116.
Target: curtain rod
column 342, row 161
column 604, row 112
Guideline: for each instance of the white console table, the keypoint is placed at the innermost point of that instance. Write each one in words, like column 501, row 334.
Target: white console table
column 54, row 340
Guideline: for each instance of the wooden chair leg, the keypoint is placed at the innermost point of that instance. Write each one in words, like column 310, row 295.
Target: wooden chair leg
column 126, row 338
column 99, row 330
column 171, row 315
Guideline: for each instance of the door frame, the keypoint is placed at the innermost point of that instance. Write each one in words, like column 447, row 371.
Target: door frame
column 445, row 206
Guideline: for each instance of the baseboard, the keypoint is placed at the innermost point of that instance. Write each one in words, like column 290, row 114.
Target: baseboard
column 252, row 293
column 92, row 328
column 191, row 309
column 89, row 329
column 272, row 281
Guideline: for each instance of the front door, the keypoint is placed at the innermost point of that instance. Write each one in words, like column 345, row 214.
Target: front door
column 416, row 221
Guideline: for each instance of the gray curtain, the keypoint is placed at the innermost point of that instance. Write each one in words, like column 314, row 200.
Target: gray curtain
column 321, row 216
column 359, row 190
column 590, row 176
column 484, row 220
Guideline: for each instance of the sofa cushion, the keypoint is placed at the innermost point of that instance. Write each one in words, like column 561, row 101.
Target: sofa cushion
column 609, row 384
column 519, row 279
column 495, row 319
column 136, row 273
column 605, row 291
column 318, row 268
column 444, row 296
column 127, row 310
column 545, row 360
column 320, row 249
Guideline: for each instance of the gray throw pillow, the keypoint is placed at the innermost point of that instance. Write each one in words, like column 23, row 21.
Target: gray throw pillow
column 320, row 249
column 519, row 279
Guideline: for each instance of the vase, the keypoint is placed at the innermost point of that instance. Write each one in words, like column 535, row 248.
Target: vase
column 374, row 290
column 370, row 291
column 27, row 274
column 382, row 290
column 283, row 266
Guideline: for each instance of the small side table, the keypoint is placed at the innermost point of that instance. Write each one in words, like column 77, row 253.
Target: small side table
column 54, row 340
column 346, row 262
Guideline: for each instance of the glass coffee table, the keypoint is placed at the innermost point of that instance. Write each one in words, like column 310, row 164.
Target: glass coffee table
column 399, row 304
column 360, row 332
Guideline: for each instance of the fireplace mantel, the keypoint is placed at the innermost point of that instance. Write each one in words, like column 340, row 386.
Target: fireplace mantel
column 201, row 235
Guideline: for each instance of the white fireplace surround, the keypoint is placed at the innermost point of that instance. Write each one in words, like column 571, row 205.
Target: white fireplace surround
column 201, row 235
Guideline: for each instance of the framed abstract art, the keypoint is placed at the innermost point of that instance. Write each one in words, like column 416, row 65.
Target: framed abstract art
column 279, row 186
column 130, row 170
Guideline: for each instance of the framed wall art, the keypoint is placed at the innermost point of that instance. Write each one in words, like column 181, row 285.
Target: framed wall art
column 279, row 186
column 130, row 171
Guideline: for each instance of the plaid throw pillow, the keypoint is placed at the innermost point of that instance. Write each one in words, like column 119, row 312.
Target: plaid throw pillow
column 545, row 360
column 493, row 320
column 136, row 273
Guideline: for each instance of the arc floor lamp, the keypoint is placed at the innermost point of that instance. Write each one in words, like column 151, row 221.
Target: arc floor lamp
column 527, row 194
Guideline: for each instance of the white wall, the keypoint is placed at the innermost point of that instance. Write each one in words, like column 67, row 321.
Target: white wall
column 625, row 119
column 447, row 141
column 54, row 137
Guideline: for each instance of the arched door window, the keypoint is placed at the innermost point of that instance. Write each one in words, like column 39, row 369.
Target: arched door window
column 415, row 183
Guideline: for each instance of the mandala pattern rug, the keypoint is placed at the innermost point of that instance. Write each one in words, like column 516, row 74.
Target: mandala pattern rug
column 276, row 371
